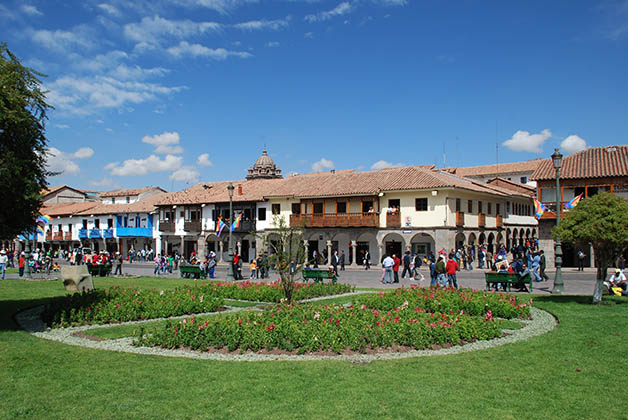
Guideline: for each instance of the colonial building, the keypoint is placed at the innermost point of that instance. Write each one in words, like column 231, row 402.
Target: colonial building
column 65, row 194
column 520, row 172
column 587, row 172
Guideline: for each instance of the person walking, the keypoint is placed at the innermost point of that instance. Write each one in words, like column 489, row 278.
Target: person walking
column 581, row 256
column 388, row 265
column 396, row 267
column 3, row 262
column 542, row 266
column 452, row 268
column 440, row 269
column 342, row 260
column 367, row 260
column 119, row 260
column 407, row 262
column 334, row 262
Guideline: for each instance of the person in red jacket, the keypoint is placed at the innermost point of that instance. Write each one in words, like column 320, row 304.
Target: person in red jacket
column 452, row 268
column 396, row 267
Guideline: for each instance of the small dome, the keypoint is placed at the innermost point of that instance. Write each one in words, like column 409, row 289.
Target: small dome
column 264, row 167
column 264, row 161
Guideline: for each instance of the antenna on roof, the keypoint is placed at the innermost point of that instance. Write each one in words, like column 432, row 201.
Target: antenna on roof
column 496, row 149
column 444, row 157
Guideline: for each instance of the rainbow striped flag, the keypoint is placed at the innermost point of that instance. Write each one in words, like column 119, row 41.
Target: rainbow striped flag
column 539, row 208
column 220, row 225
column 40, row 229
column 44, row 219
column 573, row 202
column 236, row 222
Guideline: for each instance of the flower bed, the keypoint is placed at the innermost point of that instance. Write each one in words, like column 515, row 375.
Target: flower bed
column 472, row 302
column 126, row 304
column 270, row 292
column 311, row 328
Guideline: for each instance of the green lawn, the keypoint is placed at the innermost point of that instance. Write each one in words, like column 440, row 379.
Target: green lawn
column 576, row 371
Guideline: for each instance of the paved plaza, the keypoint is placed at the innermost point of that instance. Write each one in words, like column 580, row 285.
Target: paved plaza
column 576, row 282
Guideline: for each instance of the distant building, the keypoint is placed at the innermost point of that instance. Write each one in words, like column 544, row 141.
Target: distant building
column 264, row 168
column 65, row 194
column 520, row 172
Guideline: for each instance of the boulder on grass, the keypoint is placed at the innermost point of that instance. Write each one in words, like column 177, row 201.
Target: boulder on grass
column 76, row 278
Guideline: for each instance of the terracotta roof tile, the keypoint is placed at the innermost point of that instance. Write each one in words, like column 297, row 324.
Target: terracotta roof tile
column 128, row 192
column 67, row 209
column 595, row 162
column 496, row 170
column 513, row 186
column 142, row 206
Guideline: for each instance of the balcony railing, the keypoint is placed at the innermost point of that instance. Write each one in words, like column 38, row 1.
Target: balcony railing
column 393, row 219
column 246, row 226
column 94, row 233
column 335, row 220
column 192, row 226
column 481, row 219
column 83, row 233
column 67, row 236
column 166, row 226
column 107, row 233
column 58, row 236
column 49, row 236
column 499, row 221
column 459, row 218
column 145, row 232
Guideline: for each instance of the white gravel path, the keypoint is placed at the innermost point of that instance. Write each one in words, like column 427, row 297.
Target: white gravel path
column 30, row 320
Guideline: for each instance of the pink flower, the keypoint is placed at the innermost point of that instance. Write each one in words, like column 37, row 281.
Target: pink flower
column 117, row 306
column 270, row 327
column 489, row 316
column 139, row 302
column 239, row 321
column 363, row 307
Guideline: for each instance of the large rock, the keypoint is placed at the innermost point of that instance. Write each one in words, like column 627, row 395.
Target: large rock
column 76, row 278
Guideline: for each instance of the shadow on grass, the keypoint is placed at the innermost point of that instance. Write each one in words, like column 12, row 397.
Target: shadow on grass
column 9, row 308
column 581, row 299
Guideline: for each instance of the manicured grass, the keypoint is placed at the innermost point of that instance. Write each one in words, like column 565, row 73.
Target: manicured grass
column 576, row 371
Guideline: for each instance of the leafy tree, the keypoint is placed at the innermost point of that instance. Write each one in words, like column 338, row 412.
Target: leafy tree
column 22, row 145
column 288, row 254
column 601, row 221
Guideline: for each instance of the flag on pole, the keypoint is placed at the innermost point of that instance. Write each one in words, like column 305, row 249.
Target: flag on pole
column 220, row 225
column 539, row 208
column 40, row 229
column 573, row 202
column 44, row 219
column 236, row 222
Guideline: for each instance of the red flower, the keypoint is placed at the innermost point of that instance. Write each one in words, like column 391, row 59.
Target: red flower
column 175, row 330
column 270, row 327
column 139, row 302
column 239, row 321
column 337, row 322
column 117, row 306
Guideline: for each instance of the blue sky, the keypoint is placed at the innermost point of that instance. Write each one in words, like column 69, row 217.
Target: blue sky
column 173, row 92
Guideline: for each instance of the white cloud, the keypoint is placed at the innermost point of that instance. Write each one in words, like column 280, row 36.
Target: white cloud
column 136, row 72
column 152, row 31
column 259, row 25
column 63, row 163
column 342, row 9
column 186, row 173
column 60, row 40
column 203, row 160
column 197, row 50
column 390, row 2
column 308, row 35
column 221, row 6
column 83, row 153
column 62, row 126
column 272, row 44
column 573, row 144
column 31, row 10
column 85, row 95
column 382, row 164
column 109, row 9
column 166, row 143
column 322, row 165
column 111, row 165
column 143, row 166
column 523, row 141
column 108, row 183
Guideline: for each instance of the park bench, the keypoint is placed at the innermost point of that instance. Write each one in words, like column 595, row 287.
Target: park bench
column 318, row 275
column 191, row 271
column 508, row 279
column 99, row 270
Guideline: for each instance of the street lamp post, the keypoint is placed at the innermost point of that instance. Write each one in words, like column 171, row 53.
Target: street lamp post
column 558, row 280
column 230, row 276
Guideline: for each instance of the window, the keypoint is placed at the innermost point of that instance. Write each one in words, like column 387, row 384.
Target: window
column 143, row 222
column 479, row 207
column 128, row 200
column 97, row 223
column 276, row 208
column 524, row 179
column 341, row 207
column 318, row 208
column 261, row 213
column 367, row 207
column 458, row 204
column 70, row 228
column 194, row 214
column 507, row 207
column 182, row 213
column 84, row 223
column 214, row 215
column 296, row 208
column 109, row 223
column 420, row 204
column 470, row 206
column 393, row 204
column 489, row 208
column 497, row 209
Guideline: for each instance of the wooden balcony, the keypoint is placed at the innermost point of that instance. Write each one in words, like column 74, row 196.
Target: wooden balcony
column 49, row 236
column 166, row 226
column 192, row 226
column 57, row 236
column 67, row 236
column 335, row 220
column 481, row 219
column 393, row 219
column 459, row 218
column 499, row 221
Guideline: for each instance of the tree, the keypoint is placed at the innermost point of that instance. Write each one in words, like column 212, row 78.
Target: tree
column 22, row 145
column 288, row 254
column 601, row 221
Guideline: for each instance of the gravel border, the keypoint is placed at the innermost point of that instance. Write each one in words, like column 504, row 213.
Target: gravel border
column 30, row 320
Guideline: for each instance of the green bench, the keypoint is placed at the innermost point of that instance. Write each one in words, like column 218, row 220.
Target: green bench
column 191, row 271
column 508, row 279
column 318, row 275
column 99, row 270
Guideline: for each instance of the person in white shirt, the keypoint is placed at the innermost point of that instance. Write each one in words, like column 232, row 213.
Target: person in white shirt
column 618, row 280
column 3, row 262
column 388, row 264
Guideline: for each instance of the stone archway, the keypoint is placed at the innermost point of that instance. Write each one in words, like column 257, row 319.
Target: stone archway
column 515, row 239
column 393, row 243
column 341, row 242
column 367, row 242
column 491, row 243
column 423, row 244
column 482, row 239
column 460, row 240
